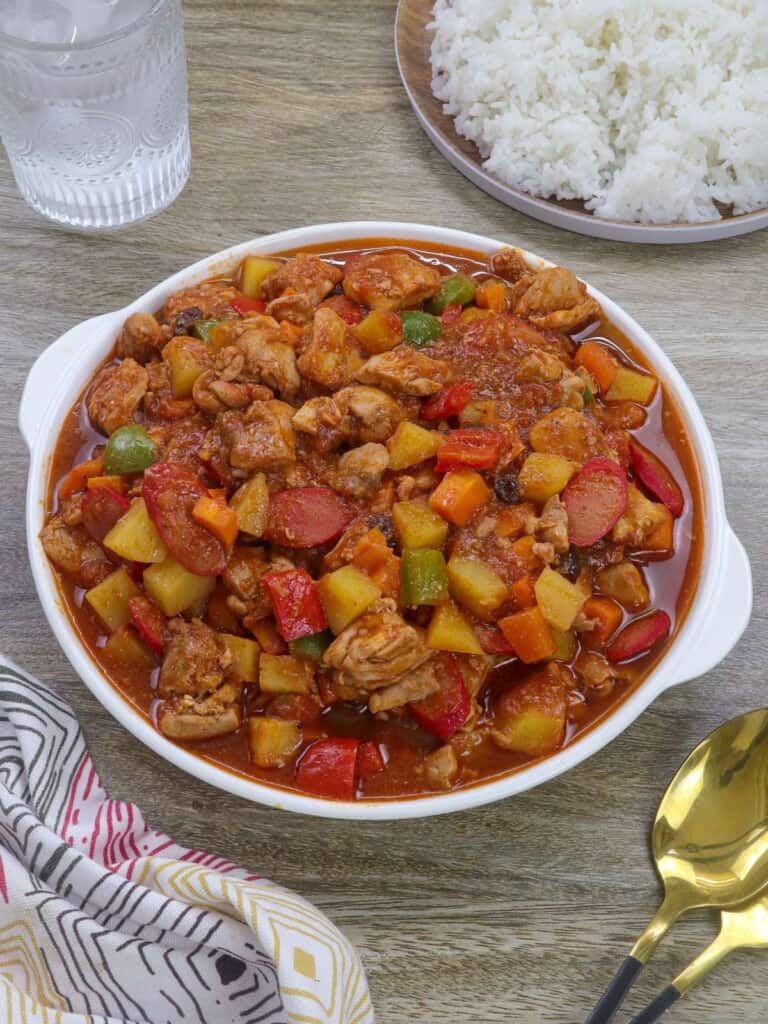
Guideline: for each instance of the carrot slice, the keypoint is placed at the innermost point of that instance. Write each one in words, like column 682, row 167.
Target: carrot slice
column 597, row 360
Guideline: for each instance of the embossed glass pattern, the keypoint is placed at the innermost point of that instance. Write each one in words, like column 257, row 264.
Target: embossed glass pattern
column 96, row 131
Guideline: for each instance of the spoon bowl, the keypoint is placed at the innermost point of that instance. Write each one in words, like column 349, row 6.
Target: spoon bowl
column 710, row 838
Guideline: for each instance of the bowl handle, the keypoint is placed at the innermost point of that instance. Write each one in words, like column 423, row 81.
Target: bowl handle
column 48, row 371
column 728, row 614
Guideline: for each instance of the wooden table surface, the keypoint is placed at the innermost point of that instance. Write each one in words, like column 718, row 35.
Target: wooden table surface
column 517, row 911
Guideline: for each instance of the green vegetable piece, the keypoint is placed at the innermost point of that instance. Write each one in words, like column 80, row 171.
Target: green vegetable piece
column 202, row 328
column 455, row 290
column 129, row 450
column 312, row 647
column 423, row 577
column 420, row 329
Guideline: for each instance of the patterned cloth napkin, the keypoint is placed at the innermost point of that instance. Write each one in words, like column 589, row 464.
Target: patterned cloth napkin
column 105, row 921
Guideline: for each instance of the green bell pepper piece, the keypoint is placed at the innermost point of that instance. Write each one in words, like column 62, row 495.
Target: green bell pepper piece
column 420, row 329
column 202, row 328
column 423, row 577
column 455, row 290
column 129, row 450
column 312, row 647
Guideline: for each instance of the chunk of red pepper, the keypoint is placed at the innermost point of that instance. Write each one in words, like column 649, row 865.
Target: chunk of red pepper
column 369, row 760
column 473, row 448
column 244, row 305
column 444, row 712
column 327, row 768
column 295, row 602
column 448, row 402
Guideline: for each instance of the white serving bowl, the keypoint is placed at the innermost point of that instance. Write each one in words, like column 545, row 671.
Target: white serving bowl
column 717, row 617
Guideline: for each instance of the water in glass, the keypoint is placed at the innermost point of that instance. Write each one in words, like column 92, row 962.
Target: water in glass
column 93, row 107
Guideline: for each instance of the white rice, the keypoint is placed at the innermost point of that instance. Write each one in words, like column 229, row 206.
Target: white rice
column 649, row 110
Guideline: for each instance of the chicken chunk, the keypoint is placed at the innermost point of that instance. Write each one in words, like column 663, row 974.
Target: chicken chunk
column 558, row 300
column 261, row 438
column 569, row 433
column 624, row 582
column 184, row 718
column 353, row 415
column 414, row 685
column 552, row 525
column 442, row 767
column 406, row 370
column 390, row 280
column 305, row 274
column 141, row 338
column 509, row 263
column 71, row 549
column 323, row 419
column 640, row 519
column 116, row 394
column 268, row 358
column 332, row 357
column 195, row 661
column 377, row 648
column 360, row 470
column 540, row 367
column 595, row 674
column 211, row 394
column 211, row 298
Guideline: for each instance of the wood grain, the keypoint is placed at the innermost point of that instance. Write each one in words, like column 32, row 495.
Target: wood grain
column 521, row 910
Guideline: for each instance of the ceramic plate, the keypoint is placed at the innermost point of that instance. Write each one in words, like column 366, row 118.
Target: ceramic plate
column 412, row 45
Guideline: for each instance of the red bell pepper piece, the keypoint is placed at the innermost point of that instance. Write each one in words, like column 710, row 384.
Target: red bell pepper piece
column 472, row 448
column 639, row 636
column 448, row 402
column 295, row 602
column 451, row 314
column 652, row 472
column 369, row 760
column 444, row 712
column 327, row 768
column 149, row 622
column 243, row 305
column 304, row 517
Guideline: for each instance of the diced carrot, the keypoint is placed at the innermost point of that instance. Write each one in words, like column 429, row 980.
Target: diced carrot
column 266, row 633
column 219, row 334
column 492, row 295
column 596, row 358
column 76, row 478
column 512, row 520
column 523, row 592
column 291, row 331
column 663, row 537
column 117, row 483
column 371, row 551
column 218, row 518
column 387, row 576
column 522, row 549
column 609, row 616
column 288, row 291
column 459, row 495
column 529, row 634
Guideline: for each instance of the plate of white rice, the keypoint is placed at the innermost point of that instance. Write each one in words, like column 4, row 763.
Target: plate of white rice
column 643, row 122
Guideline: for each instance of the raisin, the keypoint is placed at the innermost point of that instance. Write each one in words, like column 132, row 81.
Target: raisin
column 507, row 488
column 570, row 563
column 183, row 322
column 381, row 521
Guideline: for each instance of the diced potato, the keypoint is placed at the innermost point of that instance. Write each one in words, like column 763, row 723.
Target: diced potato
column 253, row 270
column 282, row 673
column 109, row 599
column 459, row 495
column 251, row 502
column 624, row 583
column 411, row 444
column 663, row 537
column 631, row 386
column 417, row 526
column 345, row 594
column 245, row 657
column 529, row 634
column 186, row 362
column 475, row 585
column 125, row 647
column 449, row 630
column 134, row 536
column 543, row 476
column 379, row 332
column 174, row 588
column 565, row 645
column 530, row 718
column 560, row 600
column 272, row 741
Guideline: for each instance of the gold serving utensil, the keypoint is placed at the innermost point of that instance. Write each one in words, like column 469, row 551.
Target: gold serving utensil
column 710, row 838
column 739, row 929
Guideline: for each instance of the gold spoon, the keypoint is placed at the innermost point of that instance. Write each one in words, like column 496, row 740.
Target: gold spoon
column 710, row 838
column 739, row 929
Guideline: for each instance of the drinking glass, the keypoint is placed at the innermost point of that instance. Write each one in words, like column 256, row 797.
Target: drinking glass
column 93, row 107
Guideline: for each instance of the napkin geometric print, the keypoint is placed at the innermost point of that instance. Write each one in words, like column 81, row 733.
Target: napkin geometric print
column 105, row 921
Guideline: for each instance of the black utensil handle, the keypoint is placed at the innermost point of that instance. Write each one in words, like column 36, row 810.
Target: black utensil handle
column 655, row 1010
column 613, row 996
